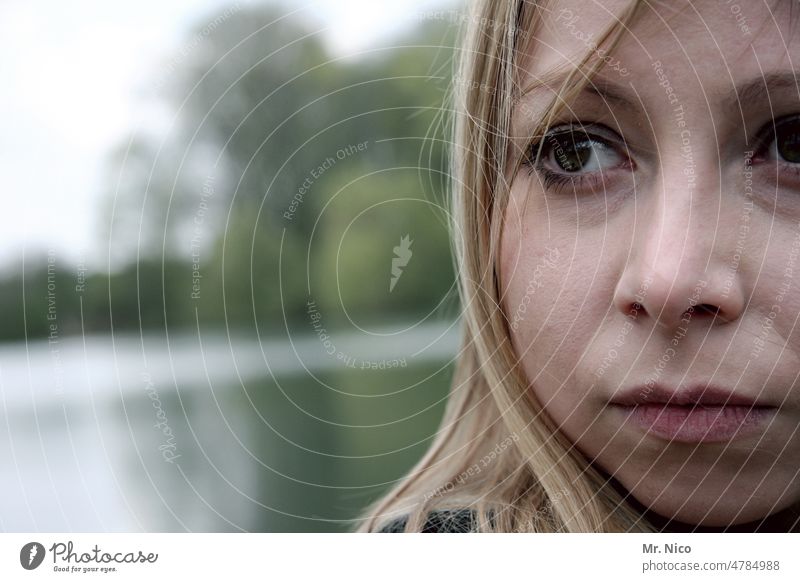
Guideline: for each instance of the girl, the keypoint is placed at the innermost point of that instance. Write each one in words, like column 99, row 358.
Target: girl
column 627, row 200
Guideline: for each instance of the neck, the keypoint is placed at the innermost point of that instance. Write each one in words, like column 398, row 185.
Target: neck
column 785, row 521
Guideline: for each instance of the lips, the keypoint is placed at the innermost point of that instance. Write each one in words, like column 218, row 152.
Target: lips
column 693, row 414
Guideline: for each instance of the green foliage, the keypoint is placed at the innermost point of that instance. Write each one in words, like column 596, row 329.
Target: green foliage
column 354, row 253
column 257, row 108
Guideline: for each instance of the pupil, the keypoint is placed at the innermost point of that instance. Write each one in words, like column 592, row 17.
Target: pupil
column 572, row 151
column 788, row 142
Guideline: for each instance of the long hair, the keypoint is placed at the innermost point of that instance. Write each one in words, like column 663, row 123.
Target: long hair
column 497, row 452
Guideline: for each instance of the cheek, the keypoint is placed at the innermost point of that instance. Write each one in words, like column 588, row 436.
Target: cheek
column 533, row 264
column 556, row 289
column 774, row 306
column 778, row 291
column 556, row 282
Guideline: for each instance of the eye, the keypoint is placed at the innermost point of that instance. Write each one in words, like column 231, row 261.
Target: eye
column 575, row 151
column 785, row 143
column 578, row 156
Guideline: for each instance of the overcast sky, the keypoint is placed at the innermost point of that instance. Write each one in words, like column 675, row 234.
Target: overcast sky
column 70, row 72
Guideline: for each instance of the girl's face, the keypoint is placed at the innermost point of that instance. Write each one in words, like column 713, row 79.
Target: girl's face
column 650, row 260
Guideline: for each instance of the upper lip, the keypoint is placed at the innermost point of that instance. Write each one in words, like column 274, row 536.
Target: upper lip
column 693, row 394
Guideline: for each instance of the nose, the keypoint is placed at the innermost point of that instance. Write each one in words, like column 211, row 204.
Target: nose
column 684, row 259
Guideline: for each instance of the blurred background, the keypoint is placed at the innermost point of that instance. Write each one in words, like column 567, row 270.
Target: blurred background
column 228, row 297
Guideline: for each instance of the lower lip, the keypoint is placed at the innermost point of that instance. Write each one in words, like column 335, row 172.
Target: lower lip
column 699, row 424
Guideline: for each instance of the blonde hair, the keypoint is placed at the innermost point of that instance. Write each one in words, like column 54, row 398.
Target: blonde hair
column 497, row 452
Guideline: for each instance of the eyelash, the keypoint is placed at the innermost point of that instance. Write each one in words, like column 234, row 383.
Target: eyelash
column 768, row 134
column 557, row 182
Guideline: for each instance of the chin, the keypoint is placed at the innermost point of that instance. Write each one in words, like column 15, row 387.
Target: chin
column 701, row 514
column 712, row 505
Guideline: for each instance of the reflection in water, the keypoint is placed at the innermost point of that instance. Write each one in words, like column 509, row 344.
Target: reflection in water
column 125, row 434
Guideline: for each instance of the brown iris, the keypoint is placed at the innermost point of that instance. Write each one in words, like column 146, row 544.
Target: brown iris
column 787, row 141
column 570, row 150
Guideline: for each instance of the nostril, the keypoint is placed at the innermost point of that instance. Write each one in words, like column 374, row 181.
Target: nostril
column 706, row 309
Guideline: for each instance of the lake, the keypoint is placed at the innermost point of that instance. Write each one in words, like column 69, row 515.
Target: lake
column 209, row 432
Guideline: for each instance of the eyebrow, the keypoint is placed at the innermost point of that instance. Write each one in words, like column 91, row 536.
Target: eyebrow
column 754, row 89
column 760, row 87
column 612, row 93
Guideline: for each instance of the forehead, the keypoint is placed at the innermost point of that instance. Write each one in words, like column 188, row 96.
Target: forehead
column 710, row 41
